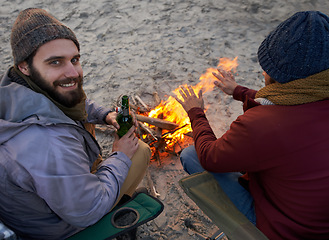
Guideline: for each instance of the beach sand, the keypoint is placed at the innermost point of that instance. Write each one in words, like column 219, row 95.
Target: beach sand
column 139, row 47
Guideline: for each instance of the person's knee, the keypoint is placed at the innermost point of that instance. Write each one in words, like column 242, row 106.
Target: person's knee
column 190, row 161
column 143, row 153
column 186, row 154
column 145, row 148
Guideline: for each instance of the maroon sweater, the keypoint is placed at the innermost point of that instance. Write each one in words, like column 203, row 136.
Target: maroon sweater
column 285, row 150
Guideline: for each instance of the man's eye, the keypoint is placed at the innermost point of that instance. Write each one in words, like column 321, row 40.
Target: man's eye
column 56, row 62
column 75, row 60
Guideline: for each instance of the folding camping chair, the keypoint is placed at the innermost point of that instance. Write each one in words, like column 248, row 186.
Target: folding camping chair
column 135, row 212
column 204, row 190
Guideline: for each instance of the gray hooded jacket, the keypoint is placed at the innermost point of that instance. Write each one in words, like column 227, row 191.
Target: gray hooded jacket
column 46, row 188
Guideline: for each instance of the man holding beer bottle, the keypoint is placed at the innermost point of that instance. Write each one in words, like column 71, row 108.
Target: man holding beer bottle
column 46, row 153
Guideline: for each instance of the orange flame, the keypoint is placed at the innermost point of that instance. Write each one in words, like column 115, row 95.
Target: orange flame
column 172, row 111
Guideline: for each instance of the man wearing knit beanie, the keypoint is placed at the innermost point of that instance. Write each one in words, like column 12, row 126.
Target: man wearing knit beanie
column 46, row 153
column 282, row 138
column 33, row 28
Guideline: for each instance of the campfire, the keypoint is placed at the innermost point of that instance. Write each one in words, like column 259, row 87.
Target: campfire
column 167, row 127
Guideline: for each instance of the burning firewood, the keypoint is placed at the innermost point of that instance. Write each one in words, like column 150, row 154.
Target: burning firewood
column 174, row 130
column 159, row 134
column 147, row 129
column 157, row 122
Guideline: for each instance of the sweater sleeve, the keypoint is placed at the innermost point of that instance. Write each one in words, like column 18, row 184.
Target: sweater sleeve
column 246, row 96
column 241, row 93
column 232, row 152
column 96, row 113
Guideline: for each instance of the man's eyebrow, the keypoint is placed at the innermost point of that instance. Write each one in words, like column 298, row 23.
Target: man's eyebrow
column 53, row 58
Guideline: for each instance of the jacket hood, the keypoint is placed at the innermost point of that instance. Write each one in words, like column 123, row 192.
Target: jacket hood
column 21, row 107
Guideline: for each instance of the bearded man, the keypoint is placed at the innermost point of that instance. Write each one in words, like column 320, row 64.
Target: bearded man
column 46, row 153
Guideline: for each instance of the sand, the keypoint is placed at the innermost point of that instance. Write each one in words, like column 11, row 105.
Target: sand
column 138, row 47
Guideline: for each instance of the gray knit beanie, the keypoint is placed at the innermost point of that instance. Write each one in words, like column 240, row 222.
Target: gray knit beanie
column 33, row 28
column 297, row 48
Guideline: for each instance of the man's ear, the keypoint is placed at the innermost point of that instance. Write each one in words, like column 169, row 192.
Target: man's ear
column 24, row 68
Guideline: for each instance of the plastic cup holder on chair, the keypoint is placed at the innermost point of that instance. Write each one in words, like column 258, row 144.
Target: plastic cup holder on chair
column 125, row 217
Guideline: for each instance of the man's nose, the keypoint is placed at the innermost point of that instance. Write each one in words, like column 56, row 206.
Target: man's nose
column 71, row 71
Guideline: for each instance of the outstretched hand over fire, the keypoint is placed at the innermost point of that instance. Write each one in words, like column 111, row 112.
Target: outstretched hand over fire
column 190, row 100
column 226, row 81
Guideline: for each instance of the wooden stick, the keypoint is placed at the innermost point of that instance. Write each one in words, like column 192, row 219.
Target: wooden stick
column 104, row 128
column 156, row 98
column 158, row 132
column 148, row 130
column 133, row 106
column 157, row 157
column 150, row 182
column 174, row 130
column 141, row 102
column 133, row 101
column 157, row 122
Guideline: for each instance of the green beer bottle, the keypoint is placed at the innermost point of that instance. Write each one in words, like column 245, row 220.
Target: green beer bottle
column 124, row 118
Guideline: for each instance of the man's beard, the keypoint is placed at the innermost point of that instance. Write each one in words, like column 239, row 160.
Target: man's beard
column 70, row 99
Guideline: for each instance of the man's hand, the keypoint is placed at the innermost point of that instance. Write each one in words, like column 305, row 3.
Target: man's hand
column 128, row 143
column 190, row 100
column 111, row 119
column 226, row 81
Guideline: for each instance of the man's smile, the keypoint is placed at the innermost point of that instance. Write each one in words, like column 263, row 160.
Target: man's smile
column 68, row 85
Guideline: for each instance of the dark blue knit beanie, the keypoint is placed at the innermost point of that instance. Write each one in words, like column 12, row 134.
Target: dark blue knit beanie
column 297, row 48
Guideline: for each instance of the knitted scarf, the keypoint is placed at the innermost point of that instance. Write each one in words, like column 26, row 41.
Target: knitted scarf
column 305, row 90
column 77, row 113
